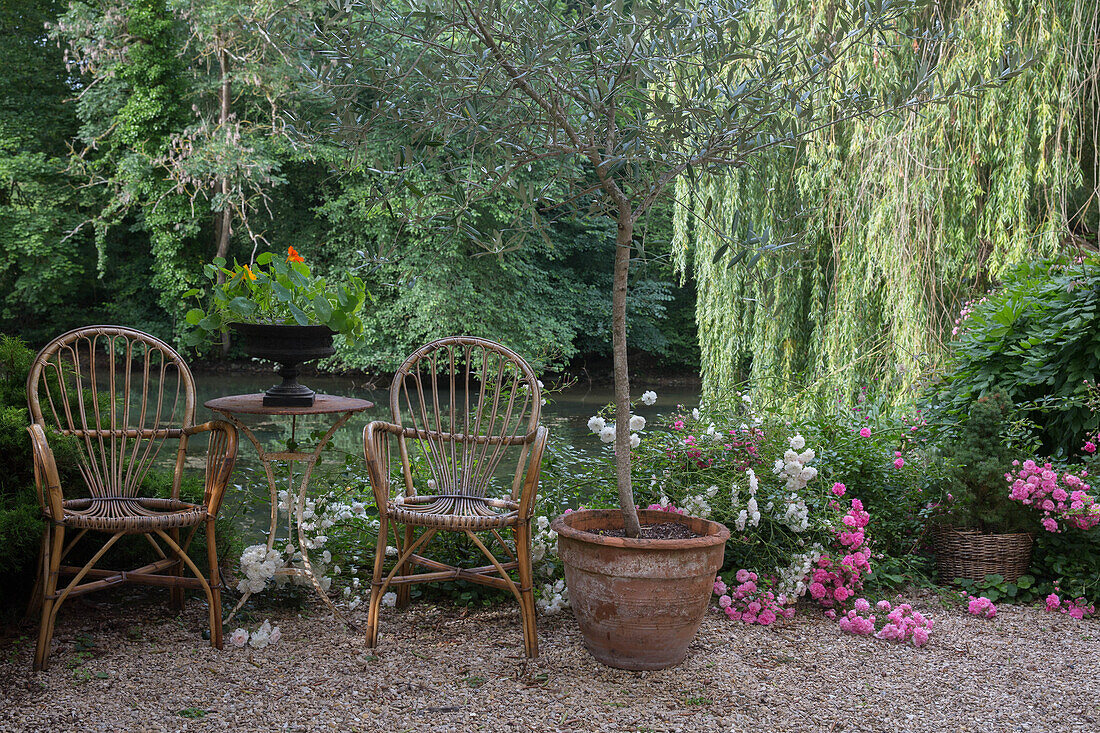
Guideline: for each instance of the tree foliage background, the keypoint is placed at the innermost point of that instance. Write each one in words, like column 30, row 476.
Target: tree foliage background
column 140, row 139
column 903, row 220
column 122, row 171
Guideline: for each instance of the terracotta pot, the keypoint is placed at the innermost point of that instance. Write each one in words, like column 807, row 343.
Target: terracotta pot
column 289, row 346
column 638, row 602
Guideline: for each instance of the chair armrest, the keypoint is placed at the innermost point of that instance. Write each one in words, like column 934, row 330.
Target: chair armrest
column 221, row 457
column 530, row 487
column 375, row 436
column 47, row 482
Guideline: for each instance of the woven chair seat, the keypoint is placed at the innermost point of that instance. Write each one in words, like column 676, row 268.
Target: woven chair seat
column 131, row 514
column 454, row 511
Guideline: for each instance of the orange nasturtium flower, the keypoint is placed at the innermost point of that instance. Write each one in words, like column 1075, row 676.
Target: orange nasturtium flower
column 248, row 270
column 293, row 256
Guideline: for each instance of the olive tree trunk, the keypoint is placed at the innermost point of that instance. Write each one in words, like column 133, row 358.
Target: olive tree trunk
column 623, row 240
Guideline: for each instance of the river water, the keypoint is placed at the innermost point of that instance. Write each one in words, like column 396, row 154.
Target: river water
column 566, row 416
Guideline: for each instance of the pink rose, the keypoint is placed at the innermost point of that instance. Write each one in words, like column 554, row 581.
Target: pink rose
column 920, row 637
column 865, row 432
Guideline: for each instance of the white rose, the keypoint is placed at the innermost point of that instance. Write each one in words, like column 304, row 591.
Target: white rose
column 807, row 456
column 596, row 424
column 389, row 599
column 607, row 434
column 635, row 440
column 637, row 422
column 695, row 414
column 798, row 442
column 648, row 398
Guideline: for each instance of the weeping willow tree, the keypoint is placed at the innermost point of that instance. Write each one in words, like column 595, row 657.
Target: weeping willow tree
column 846, row 261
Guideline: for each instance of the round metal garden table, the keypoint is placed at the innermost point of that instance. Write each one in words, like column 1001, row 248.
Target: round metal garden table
column 232, row 408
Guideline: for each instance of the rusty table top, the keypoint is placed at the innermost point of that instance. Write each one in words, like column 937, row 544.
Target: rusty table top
column 253, row 404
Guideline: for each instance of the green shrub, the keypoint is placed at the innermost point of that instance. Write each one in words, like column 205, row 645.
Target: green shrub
column 20, row 516
column 1037, row 340
column 1072, row 560
column 977, row 452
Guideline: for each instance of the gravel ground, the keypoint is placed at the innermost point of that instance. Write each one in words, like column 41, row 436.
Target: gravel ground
column 130, row 666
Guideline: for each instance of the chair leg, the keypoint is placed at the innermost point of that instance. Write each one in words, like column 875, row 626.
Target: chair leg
column 215, row 585
column 52, row 547
column 215, row 608
column 175, row 594
column 526, row 590
column 34, row 603
column 406, row 569
column 376, row 581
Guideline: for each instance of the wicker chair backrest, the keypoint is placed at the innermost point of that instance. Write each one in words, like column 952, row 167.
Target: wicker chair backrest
column 121, row 394
column 465, row 404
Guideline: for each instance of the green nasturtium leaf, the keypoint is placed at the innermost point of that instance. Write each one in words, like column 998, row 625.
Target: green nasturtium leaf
column 299, row 314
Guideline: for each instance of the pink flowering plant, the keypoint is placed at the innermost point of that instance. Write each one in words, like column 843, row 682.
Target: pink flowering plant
column 899, row 623
column 981, row 607
column 794, row 533
column 1077, row 608
column 798, row 530
column 1062, row 499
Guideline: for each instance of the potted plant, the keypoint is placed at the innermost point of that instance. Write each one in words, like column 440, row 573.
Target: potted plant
column 981, row 530
column 621, row 104
column 282, row 312
column 638, row 600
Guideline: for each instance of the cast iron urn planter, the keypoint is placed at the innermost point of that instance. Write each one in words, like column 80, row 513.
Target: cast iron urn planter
column 289, row 346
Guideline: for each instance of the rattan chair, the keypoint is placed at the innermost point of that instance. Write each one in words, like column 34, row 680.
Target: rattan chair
column 465, row 423
column 121, row 395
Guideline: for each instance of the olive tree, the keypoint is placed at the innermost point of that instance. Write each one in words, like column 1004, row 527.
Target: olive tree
column 617, row 99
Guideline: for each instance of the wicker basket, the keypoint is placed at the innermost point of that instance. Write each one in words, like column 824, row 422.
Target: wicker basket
column 971, row 554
